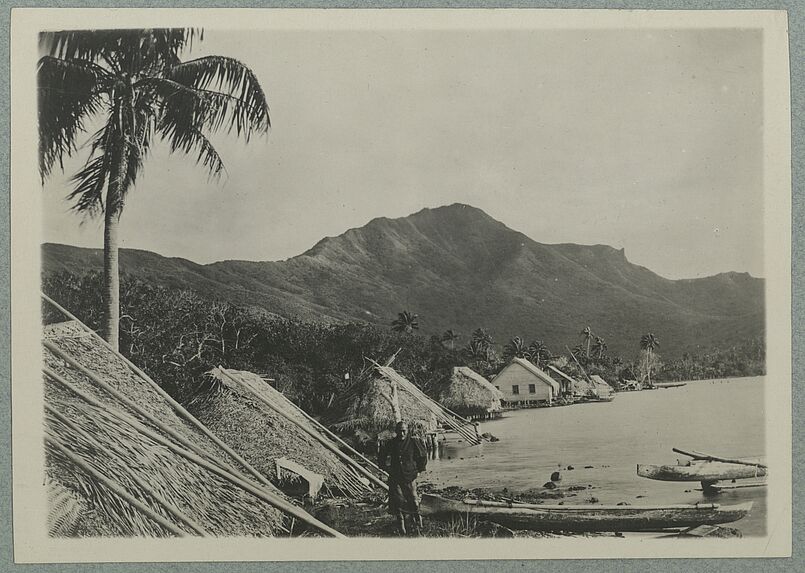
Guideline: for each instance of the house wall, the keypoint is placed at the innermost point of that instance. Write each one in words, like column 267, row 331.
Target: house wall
column 515, row 374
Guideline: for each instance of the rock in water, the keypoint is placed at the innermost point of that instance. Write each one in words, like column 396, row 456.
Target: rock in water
column 549, row 485
column 556, row 476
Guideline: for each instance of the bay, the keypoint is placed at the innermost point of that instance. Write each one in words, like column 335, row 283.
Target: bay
column 719, row 417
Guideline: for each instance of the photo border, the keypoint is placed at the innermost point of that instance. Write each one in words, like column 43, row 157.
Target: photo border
column 796, row 214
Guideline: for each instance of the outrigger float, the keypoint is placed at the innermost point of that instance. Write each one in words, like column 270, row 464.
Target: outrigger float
column 585, row 518
column 709, row 470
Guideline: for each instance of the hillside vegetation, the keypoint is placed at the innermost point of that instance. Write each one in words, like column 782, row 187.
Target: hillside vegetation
column 458, row 268
column 177, row 335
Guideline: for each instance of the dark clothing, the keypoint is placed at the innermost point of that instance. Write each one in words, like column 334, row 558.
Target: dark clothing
column 402, row 496
column 403, row 460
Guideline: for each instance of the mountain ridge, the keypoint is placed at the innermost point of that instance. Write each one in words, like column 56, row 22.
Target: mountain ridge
column 459, row 268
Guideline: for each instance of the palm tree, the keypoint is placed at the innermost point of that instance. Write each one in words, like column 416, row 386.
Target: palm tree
column 482, row 336
column 587, row 333
column 600, row 347
column 480, row 345
column 134, row 84
column 476, row 350
column 405, row 322
column 451, row 337
column 649, row 342
column 515, row 348
column 537, row 352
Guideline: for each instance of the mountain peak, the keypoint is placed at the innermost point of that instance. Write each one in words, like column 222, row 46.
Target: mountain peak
column 460, row 269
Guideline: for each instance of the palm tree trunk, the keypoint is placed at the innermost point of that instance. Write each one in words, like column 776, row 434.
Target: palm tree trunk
column 111, row 272
column 111, row 277
column 648, row 366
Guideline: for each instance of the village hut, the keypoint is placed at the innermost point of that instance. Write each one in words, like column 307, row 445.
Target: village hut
column 572, row 386
column 468, row 393
column 601, row 388
column 524, row 384
column 381, row 396
column 124, row 459
column 277, row 437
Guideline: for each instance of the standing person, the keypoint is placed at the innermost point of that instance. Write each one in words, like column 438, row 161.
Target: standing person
column 403, row 458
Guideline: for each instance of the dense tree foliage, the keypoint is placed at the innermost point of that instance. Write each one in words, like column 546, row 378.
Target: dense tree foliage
column 176, row 336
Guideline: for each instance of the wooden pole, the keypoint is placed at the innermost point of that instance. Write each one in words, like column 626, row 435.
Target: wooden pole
column 706, row 457
column 335, row 436
column 116, row 489
column 437, row 409
column 270, row 498
column 158, row 389
column 164, row 503
column 395, row 402
column 95, row 379
column 316, row 436
column 583, row 371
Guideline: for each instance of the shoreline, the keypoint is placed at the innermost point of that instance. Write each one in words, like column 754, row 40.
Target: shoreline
column 368, row 517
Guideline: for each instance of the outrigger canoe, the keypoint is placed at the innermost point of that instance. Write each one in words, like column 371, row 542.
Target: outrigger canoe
column 579, row 518
column 703, row 471
column 705, row 468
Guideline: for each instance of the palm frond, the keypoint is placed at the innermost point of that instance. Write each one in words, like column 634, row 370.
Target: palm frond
column 245, row 109
column 89, row 185
column 69, row 92
column 126, row 48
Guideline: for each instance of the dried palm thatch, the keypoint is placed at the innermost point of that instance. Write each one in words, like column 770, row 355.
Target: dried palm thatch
column 368, row 406
column 262, row 425
column 115, row 445
column 469, row 393
column 600, row 387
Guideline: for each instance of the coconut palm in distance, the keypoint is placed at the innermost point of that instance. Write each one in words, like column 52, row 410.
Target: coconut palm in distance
column 480, row 344
column 649, row 343
column 537, row 353
column 405, row 322
column 515, row 348
column 600, row 347
column 587, row 333
column 483, row 337
column 135, row 86
column 450, row 336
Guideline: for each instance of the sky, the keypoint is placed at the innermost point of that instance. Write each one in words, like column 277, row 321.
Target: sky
column 649, row 141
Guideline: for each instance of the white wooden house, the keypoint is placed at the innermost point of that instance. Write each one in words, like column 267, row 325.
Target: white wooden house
column 522, row 383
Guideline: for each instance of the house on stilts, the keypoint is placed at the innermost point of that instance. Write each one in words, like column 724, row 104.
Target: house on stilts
column 525, row 385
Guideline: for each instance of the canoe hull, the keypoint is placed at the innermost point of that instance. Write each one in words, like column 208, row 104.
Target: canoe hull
column 703, row 471
column 587, row 518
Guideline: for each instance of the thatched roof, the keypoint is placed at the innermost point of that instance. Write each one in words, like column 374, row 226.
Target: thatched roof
column 370, row 409
column 369, row 406
column 601, row 387
column 243, row 410
column 468, row 391
column 120, row 461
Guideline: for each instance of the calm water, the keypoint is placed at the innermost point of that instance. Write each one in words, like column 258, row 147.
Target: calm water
column 722, row 417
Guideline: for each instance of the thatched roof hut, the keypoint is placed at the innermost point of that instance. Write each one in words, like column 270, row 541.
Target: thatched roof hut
column 468, row 393
column 121, row 460
column 601, row 388
column 368, row 406
column 266, row 428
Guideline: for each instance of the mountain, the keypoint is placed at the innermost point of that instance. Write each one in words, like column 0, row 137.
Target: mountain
column 459, row 268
